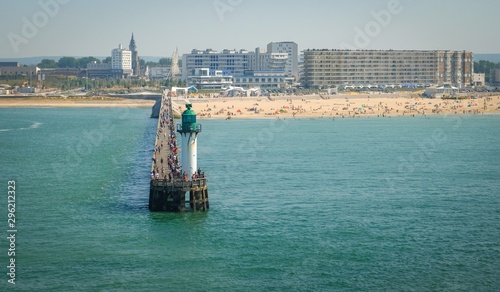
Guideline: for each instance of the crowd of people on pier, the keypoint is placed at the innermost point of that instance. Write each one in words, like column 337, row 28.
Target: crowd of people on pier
column 166, row 134
column 169, row 168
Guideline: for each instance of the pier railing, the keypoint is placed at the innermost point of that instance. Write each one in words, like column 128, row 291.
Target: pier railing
column 180, row 183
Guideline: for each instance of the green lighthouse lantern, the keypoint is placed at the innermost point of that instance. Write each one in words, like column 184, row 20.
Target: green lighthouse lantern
column 189, row 120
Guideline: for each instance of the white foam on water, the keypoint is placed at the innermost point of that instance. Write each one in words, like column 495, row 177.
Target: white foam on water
column 34, row 125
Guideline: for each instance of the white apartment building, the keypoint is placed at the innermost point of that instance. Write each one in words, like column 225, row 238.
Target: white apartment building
column 229, row 61
column 121, row 62
column 268, row 79
column 232, row 62
column 478, row 79
column 159, row 72
column 260, row 60
column 292, row 50
column 206, row 78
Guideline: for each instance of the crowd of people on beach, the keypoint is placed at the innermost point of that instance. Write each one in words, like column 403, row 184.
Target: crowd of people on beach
column 344, row 106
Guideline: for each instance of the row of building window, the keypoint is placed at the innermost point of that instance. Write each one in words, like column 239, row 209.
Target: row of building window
column 361, row 73
column 16, row 72
column 380, row 60
column 380, row 57
column 250, row 80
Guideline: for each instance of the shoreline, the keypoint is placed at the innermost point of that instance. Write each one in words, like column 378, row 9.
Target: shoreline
column 319, row 117
column 311, row 106
column 76, row 102
column 338, row 106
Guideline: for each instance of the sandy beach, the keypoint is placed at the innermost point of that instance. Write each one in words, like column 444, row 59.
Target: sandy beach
column 6, row 102
column 311, row 106
column 338, row 106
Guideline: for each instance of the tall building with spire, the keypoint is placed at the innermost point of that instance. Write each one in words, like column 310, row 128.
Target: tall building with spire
column 136, row 67
column 174, row 68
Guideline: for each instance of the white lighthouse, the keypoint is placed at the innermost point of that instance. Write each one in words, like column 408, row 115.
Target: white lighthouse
column 189, row 130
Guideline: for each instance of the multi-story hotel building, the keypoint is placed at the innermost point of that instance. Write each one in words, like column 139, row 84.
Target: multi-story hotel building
column 121, row 62
column 232, row 62
column 260, row 60
column 291, row 49
column 455, row 67
column 326, row 68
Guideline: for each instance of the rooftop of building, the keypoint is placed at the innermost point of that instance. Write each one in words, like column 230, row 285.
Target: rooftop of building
column 388, row 50
column 9, row 64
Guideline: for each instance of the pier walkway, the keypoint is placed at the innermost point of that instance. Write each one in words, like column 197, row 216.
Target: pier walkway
column 169, row 184
column 165, row 161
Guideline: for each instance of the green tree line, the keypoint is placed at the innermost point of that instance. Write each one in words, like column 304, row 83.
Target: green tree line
column 72, row 62
column 67, row 62
column 164, row 62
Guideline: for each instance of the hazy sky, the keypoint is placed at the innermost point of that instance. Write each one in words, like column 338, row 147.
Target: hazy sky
column 93, row 28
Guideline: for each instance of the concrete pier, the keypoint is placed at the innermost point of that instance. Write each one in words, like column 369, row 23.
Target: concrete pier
column 169, row 184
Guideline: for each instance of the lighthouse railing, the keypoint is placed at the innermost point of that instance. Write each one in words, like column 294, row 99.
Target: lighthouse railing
column 191, row 128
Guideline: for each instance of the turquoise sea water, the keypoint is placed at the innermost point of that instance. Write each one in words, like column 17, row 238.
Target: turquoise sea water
column 296, row 205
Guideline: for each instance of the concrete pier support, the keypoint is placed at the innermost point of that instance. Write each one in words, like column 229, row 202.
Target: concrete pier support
column 172, row 197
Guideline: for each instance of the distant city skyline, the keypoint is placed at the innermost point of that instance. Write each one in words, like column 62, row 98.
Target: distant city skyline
column 92, row 28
